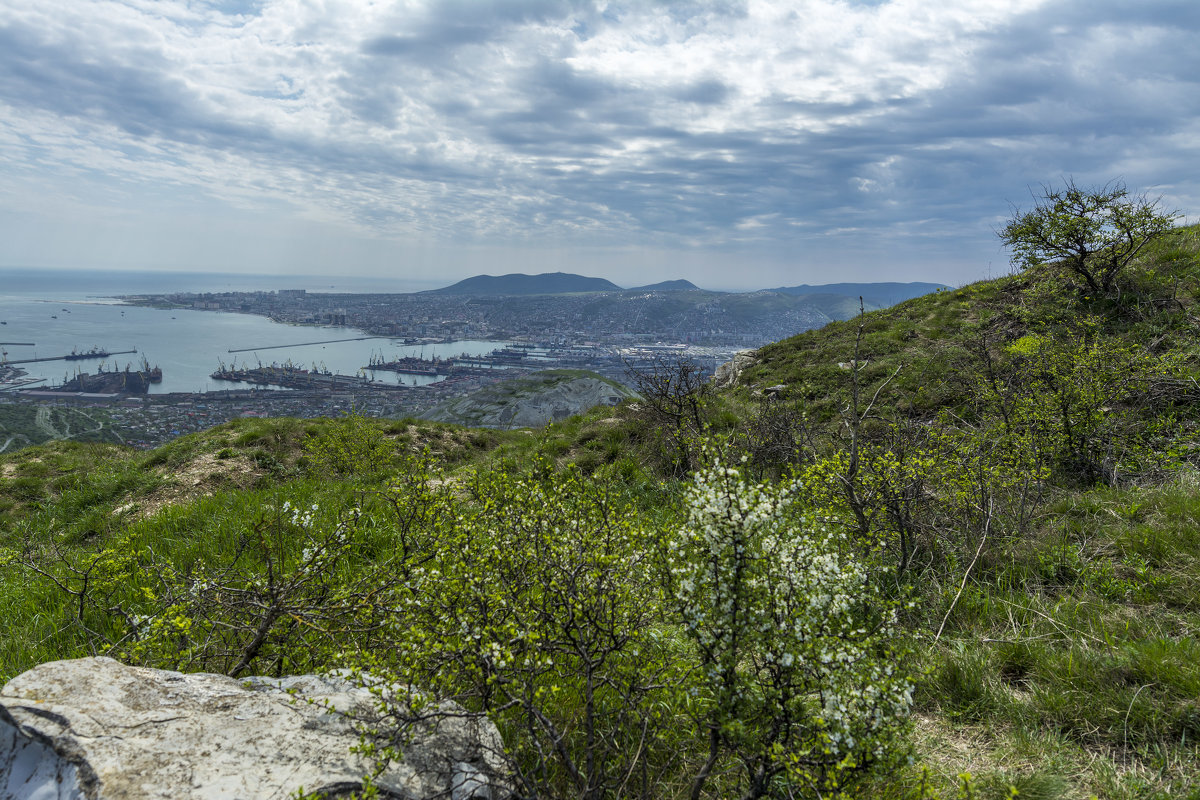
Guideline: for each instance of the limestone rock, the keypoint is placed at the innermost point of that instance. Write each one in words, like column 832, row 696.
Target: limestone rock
column 95, row 729
column 728, row 373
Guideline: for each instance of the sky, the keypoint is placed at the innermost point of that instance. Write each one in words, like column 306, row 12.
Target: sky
column 740, row 145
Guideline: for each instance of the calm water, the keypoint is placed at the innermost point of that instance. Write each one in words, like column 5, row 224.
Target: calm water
column 60, row 312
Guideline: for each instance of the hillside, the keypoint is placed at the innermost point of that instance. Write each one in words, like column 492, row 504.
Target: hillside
column 23, row 425
column 531, row 401
column 981, row 502
column 938, row 344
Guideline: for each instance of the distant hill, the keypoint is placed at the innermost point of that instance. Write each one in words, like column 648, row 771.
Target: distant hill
column 837, row 306
column 877, row 295
column 667, row 286
column 519, row 283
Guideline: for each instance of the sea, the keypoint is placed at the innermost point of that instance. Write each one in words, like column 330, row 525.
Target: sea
column 46, row 313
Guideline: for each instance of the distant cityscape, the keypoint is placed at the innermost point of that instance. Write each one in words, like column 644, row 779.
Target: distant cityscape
column 608, row 332
column 569, row 319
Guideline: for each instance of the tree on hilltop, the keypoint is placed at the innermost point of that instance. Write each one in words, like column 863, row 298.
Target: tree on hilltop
column 1093, row 232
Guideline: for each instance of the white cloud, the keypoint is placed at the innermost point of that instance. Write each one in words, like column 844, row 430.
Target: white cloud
column 734, row 127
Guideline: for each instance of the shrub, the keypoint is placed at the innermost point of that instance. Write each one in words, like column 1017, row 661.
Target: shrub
column 744, row 651
column 350, row 446
column 538, row 606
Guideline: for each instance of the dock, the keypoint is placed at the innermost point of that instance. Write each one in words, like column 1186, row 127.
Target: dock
column 411, row 365
column 291, row 377
column 17, row 384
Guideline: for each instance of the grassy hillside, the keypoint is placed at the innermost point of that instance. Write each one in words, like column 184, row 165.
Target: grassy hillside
column 1059, row 636
column 1003, row 477
column 939, row 343
column 23, row 425
column 530, row 400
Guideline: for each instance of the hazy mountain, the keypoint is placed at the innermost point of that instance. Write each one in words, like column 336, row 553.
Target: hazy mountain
column 519, row 283
column 667, row 286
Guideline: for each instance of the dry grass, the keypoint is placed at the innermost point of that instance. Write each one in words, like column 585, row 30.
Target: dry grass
column 202, row 476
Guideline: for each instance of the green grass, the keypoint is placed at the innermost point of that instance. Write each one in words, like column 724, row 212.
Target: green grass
column 1071, row 654
column 1081, row 640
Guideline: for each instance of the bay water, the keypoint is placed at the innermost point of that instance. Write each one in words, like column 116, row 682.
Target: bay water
column 64, row 311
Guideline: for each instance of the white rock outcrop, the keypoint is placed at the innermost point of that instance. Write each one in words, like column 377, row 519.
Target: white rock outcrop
column 727, row 374
column 95, row 729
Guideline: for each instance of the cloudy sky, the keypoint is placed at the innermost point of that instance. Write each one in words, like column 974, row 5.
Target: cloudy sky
column 738, row 144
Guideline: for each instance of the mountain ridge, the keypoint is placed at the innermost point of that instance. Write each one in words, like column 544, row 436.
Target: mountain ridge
column 874, row 294
column 878, row 294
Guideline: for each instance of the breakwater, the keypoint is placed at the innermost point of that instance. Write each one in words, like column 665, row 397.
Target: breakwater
column 503, row 358
column 86, row 355
column 302, row 344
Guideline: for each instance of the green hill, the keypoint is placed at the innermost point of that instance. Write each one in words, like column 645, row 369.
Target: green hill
column 987, row 496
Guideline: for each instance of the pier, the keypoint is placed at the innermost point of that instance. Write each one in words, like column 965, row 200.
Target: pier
column 291, row 377
column 71, row 357
column 303, row 344
column 17, row 384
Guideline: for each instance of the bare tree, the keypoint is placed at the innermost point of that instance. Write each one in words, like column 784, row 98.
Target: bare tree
column 674, row 392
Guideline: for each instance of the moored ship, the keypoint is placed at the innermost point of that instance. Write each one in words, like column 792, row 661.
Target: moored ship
column 95, row 352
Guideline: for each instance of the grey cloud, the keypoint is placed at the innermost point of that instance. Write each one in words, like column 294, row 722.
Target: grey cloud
column 139, row 98
column 1023, row 112
column 708, row 92
column 451, row 25
column 137, row 93
column 430, row 43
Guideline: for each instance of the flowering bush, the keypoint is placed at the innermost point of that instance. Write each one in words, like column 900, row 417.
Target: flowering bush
column 795, row 649
column 742, row 651
column 745, row 651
